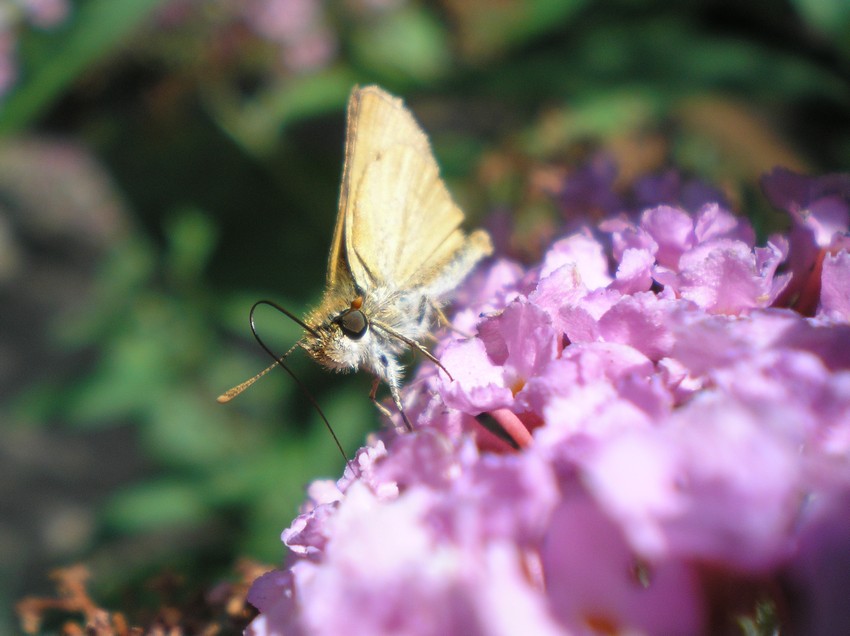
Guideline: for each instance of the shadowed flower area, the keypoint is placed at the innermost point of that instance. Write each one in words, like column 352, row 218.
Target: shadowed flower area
column 687, row 394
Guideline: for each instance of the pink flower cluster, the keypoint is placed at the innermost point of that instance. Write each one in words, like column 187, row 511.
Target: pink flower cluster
column 671, row 407
column 298, row 31
column 304, row 35
column 297, row 27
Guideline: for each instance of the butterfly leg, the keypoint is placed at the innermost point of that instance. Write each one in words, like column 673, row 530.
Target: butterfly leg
column 396, row 399
column 443, row 321
column 442, row 318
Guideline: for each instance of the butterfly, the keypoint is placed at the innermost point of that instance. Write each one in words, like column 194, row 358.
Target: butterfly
column 398, row 251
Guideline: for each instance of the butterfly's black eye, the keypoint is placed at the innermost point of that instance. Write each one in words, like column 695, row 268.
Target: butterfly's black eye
column 353, row 324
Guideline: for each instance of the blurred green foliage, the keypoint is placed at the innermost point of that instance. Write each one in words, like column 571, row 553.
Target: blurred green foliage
column 226, row 158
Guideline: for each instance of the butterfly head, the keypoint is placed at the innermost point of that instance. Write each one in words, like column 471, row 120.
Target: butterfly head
column 337, row 338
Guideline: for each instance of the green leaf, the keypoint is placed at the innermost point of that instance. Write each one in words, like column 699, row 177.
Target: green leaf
column 256, row 123
column 154, row 505
column 52, row 61
column 829, row 16
column 187, row 428
column 192, row 238
column 407, row 45
column 487, row 29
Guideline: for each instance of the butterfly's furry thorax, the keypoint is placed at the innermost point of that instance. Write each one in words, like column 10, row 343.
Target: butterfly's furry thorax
column 386, row 311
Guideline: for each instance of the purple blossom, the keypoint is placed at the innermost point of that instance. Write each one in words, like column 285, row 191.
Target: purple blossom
column 298, row 36
column 594, row 581
column 835, row 281
column 297, row 27
column 820, row 211
column 492, row 369
column 45, row 13
column 679, row 422
column 669, row 188
column 590, row 189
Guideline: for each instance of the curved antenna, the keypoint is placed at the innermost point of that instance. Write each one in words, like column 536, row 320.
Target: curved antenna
column 286, row 313
column 228, row 395
column 278, row 361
